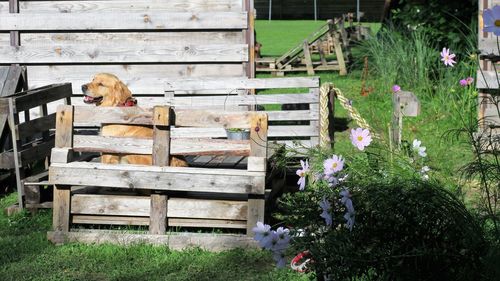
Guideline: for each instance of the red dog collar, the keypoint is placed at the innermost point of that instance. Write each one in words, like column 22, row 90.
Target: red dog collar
column 129, row 102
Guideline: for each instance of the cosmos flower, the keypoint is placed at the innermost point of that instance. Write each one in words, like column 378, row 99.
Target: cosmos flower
column 447, row 58
column 491, row 20
column 333, row 165
column 360, row 138
column 263, row 233
column 302, row 174
column 418, row 148
column 326, row 206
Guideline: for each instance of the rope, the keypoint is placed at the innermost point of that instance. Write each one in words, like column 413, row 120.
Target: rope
column 324, row 134
column 353, row 112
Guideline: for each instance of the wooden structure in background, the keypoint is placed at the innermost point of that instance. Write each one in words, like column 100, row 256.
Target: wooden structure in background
column 179, row 196
column 488, row 83
column 299, row 58
column 296, row 109
column 31, row 138
column 140, row 41
column 403, row 104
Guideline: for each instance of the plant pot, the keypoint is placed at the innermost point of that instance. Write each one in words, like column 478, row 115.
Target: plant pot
column 238, row 135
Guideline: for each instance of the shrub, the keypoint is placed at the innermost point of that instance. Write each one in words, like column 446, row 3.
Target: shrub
column 405, row 230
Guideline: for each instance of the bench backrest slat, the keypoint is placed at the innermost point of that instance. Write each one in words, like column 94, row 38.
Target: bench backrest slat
column 192, row 125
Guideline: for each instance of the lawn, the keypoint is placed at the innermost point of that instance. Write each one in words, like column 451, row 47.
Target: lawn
column 25, row 254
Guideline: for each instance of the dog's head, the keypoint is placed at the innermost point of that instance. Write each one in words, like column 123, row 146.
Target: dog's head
column 106, row 90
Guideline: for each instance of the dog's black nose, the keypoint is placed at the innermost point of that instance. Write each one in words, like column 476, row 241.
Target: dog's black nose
column 84, row 87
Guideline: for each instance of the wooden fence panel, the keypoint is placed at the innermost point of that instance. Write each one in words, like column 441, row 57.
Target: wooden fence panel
column 27, row 7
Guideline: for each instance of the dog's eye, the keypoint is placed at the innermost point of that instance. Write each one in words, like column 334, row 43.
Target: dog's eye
column 100, row 84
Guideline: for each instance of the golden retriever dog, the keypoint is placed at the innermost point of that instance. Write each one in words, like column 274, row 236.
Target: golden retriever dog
column 107, row 90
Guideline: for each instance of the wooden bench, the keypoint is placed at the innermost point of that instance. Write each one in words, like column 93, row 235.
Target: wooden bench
column 179, row 196
column 295, row 106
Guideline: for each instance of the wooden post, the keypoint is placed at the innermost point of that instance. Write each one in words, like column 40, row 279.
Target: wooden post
column 321, row 53
column 307, row 58
column 158, row 215
column 16, row 147
column 258, row 148
column 161, row 136
column 62, row 194
column 340, row 55
column 403, row 104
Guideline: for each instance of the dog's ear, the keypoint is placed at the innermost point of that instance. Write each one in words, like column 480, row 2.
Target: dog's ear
column 122, row 91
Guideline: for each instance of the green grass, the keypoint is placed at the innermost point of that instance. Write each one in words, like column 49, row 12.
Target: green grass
column 436, row 118
column 25, row 253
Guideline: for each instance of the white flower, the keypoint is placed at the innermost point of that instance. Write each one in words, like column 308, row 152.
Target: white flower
column 418, row 148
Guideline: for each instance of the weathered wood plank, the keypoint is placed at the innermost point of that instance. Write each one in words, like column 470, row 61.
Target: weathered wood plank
column 158, row 216
column 258, row 135
column 186, row 222
column 61, row 208
column 274, row 131
column 158, row 178
column 120, row 38
column 115, row 205
column 138, row 53
column 9, row 79
column 36, row 97
column 111, row 220
column 211, row 83
column 161, row 136
column 140, row 79
column 105, row 144
column 64, row 126
column 205, row 146
column 487, row 79
column 37, row 152
column 183, row 146
column 175, row 241
column 26, row 7
column 293, row 115
column 255, row 214
column 206, row 209
column 114, row 20
column 35, row 126
column 207, row 101
column 210, row 119
column 96, row 116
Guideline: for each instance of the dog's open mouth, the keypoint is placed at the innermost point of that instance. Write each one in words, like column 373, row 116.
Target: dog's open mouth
column 89, row 99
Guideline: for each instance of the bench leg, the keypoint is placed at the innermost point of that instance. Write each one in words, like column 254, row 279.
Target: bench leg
column 255, row 214
column 158, row 215
column 61, row 208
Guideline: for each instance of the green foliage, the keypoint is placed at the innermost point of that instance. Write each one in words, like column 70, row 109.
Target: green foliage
column 443, row 20
column 406, row 229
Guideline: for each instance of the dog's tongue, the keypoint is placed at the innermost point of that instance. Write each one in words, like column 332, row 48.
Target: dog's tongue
column 88, row 98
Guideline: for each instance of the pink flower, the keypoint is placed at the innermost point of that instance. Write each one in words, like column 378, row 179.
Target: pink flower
column 396, row 88
column 469, row 80
column 360, row 138
column 333, row 165
column 447, row 58
column 302, row 174
column 463, row 82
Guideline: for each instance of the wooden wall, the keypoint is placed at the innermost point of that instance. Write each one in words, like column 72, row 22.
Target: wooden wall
column 327, row 9
column 141, row 41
